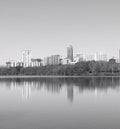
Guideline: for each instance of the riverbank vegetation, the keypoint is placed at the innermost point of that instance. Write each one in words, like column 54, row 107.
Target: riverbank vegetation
column 78, row 69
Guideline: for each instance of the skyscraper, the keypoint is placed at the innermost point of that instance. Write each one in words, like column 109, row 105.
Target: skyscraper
column 70, row 52
column 26, row 58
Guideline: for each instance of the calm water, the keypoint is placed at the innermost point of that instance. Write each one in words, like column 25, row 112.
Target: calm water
column 72, row 103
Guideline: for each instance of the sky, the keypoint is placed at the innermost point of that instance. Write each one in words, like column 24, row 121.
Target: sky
column 47, row 27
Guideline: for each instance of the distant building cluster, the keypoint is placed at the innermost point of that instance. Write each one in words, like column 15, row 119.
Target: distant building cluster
column 95, row 57
column 52, row 60
column 28, row 61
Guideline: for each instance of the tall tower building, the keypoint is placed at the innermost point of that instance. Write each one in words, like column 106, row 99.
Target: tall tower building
column 26, row 58
column 70, row 52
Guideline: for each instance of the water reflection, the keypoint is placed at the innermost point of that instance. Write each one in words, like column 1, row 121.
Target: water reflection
column 55, row 85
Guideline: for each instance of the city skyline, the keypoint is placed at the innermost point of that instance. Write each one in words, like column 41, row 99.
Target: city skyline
column 46, row 27
column 29, row 61
column 59, row 64
column 70, row 58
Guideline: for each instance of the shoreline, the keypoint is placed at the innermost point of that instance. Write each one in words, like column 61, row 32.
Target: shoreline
column 53, row 76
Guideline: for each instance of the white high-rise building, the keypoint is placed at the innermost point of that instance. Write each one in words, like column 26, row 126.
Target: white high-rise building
column 26, row 58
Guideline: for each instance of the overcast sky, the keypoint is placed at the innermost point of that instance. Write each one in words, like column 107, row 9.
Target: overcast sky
column 48, row 26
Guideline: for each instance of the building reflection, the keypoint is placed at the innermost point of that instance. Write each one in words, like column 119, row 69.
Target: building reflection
column 26, row 91
column 70, row 93
column 97, row 86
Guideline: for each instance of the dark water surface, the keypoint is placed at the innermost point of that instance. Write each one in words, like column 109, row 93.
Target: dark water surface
column 60, row 103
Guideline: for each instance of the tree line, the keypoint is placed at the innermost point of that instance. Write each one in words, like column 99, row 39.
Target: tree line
column 80, row 68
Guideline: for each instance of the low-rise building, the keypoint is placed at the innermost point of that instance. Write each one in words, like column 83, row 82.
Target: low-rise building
column 78, row 58
column 36, row 62
column 66, row 61
column 14, row 64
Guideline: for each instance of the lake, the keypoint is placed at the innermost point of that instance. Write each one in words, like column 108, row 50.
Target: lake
column 60, row 103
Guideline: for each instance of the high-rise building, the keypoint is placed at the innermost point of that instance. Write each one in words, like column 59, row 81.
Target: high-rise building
column 26, row 58
column 52, row 60
column 55, row 59
column 70, row 52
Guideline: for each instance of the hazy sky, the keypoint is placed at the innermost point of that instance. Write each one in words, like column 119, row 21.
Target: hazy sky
column 48, row 26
